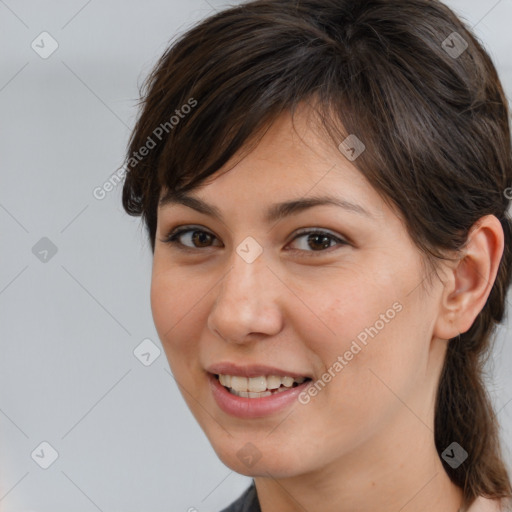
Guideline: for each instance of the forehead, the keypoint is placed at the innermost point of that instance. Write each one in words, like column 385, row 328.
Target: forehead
column 293, row 161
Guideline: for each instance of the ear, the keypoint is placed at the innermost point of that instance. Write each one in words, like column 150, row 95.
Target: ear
column 470, row 279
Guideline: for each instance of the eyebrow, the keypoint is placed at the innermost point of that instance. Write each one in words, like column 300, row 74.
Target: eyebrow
column 274, row 213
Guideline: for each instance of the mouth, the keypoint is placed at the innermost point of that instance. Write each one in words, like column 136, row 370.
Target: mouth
column 258, row 387
column 255, row 390
column 238, row 395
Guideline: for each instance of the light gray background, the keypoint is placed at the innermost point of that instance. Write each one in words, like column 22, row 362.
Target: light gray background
column 68, row 327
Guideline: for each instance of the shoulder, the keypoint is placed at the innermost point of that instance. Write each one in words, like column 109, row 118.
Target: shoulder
column 482, row 504
column 247, row 502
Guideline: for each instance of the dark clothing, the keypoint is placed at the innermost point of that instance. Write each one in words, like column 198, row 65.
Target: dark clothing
column 247, row 502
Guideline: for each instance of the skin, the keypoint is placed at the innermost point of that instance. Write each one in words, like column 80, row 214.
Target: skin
column 365, row 442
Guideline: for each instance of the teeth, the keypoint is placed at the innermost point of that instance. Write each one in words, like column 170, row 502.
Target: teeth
column 250, row 394
column 287, row 381
column 273, row 382
column 225, row 380
column 257, row 384
column 256, row 387
column 239, row 383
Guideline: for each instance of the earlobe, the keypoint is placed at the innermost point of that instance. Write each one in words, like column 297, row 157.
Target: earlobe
column 471, row 278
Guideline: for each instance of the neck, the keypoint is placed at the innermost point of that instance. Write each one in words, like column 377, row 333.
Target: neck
column 399, row 471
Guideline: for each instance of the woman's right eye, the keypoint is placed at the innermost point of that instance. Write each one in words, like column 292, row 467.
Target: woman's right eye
column 197, row 237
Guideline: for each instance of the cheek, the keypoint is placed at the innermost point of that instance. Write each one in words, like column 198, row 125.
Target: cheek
column 352, row 307
column 173, row 294
column 172, row 306
column 367, row 326
column 163, row 304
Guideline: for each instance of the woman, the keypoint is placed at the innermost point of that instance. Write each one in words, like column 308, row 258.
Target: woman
column 324, row 188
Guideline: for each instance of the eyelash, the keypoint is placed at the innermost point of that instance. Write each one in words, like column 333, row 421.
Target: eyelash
column 173, row 236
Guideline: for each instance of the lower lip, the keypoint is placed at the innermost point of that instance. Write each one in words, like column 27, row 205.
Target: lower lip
column 253, row 407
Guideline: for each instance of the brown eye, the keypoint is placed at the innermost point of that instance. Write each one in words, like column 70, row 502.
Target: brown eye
column 317, row 241
column 190, row 238
column 200, row 238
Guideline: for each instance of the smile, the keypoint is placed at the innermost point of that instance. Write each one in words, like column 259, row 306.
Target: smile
column 258, row 387
column 235, row 394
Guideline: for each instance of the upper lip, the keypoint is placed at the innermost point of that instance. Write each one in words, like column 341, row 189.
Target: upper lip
column 253, row 370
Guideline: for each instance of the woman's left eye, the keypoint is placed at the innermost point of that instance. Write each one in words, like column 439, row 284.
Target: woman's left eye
column 318, row 240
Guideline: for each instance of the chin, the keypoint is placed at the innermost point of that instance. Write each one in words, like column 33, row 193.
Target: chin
column 275, row 469
column 257, row 458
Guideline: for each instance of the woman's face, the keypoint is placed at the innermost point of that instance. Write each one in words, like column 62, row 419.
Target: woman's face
column 331, row 292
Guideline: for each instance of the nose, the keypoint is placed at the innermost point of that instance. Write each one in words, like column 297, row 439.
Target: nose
column 248, row 301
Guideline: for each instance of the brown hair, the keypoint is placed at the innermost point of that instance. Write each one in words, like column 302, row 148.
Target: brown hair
column 434, row 123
